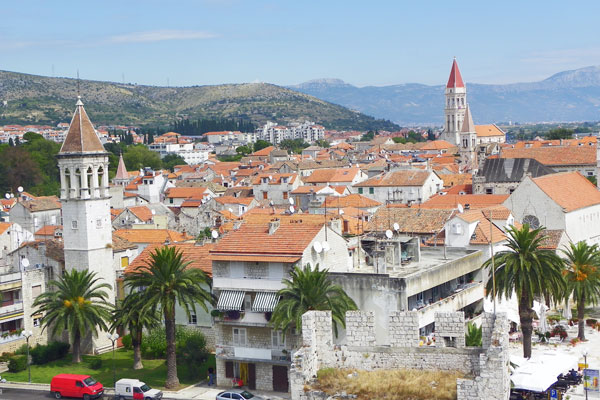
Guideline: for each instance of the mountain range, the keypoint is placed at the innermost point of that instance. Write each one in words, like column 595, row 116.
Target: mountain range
column 563, row 97
column 33, row 99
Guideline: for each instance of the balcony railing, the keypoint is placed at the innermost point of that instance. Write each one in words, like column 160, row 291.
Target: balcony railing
column 246, row 318
column 12, row 308
column 11, row 277
column 456, row 301
column 253, row 353
column 6, row 337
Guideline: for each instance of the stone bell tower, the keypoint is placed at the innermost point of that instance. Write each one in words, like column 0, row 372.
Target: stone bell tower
column 87, row 230
column 456, row 103
column 468, row 144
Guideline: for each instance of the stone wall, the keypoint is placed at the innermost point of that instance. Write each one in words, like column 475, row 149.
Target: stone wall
column 450, row 326
column 404, row 329
column 488, row 364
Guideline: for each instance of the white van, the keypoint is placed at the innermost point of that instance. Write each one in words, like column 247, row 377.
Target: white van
column 135, row 389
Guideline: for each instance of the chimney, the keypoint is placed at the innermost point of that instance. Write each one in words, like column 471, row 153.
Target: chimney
column 273, row 225
column 237, row 224
column 336, row 225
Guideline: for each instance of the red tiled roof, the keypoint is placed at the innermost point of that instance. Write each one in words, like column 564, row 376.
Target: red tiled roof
column 4, row 226
column 473, row 200
column 152, row 235
column 198, row 256
column 234, row 200
column 290, row 239
column 397, row 178
column 553, row 156
column 186, row 192
column 352, row 200
column 570, row 190
column 326, row 175
column 142, row 213
column 455, row 80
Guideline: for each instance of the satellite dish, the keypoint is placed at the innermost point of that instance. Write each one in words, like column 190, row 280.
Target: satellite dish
column 25, row 262
column 20, row 189
column 292, row 209
column 341, row 212
column 460, row 208
column 396, row 227
column 291, row 201
column 389, row 234
column 12, row 195
column 153, row 212
column 230, row 209
column 7, row 195
column 214, row 234
column 326, row 246
column 317, row 246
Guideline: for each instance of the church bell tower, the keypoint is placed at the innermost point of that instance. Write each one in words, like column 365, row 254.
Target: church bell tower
column 456, row 102
column 84, row 194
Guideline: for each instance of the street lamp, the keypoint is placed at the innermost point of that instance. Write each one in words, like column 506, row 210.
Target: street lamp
column 585, row 388
column 27, row 335
column 113, row 338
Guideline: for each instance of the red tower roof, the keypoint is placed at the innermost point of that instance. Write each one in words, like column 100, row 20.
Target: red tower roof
column 455, row 79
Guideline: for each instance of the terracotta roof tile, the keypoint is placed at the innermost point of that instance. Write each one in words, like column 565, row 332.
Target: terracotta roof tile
column 473, row 200
column 351, row 200
column 197, row 255
column 152, row 235
column 570, row 190
column 332, row 175
column 142, row 213
column 5, row 225
column 81, row 137
column 264, row 152
column 488, row 130
column 438, row 145
column 290, row 239
column 411, row 220
column 186, row 192
column 397, row 178
column 234, row 200
column 552, row 156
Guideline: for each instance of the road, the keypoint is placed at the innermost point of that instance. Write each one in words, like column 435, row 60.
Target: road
column 24, row 394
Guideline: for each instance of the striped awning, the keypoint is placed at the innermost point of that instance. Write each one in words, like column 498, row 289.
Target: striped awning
column 265, row 301
column 230, row 300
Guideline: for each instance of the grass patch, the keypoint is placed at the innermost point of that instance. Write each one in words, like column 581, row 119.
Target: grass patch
column 405, row 384
column 154, row 372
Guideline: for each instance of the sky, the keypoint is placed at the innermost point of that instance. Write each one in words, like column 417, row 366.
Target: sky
column 376, row 42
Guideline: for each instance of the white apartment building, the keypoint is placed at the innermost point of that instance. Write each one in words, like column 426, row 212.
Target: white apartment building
column 273, row 133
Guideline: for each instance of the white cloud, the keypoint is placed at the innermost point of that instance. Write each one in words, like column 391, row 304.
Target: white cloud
column 160, row 35
column 565, row 57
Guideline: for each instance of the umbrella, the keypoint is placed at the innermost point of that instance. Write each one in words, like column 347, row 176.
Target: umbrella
column 540, row 309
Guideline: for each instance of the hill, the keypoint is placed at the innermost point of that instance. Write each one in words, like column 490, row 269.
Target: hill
column 563, row 97
column 37, row 99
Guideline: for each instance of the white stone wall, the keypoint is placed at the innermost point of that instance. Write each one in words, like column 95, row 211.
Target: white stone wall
column 450, row 326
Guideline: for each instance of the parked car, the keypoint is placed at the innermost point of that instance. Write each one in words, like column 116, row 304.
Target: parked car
column 79, row 386
column 135, row 389
column 237, row 394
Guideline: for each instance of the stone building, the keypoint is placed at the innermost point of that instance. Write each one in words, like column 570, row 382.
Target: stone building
column 84, row 194
column 487, row 366
column 249, row 264
column 410, row 186
column 503, row 175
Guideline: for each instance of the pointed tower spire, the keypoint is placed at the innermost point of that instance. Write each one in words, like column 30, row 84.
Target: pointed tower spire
column 122, row 173
column 468, row 126
column 81, row 137
column 455, row 80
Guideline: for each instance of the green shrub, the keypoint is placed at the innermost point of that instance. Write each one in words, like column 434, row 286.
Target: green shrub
column 17, row 363
column 192, row 351
column 127, row 343
column 5, row 357
column 22, row 349
column 473, row 336
column 44, row 353
column 154, row 344
column 553, row 318
column 95, row 363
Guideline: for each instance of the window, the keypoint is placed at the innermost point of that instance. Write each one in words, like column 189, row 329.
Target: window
column 99, row 223
column 36, row 221
column 277, row 339
column 360, row 190
column 371, row 190
column 36, row 322
column 36, row 291
column 79, row 384
column 489, row 191
column 264, row 195
column 193, row 320
column 74, row 224
column 285, row 195
column 53, row 220
column 248, row 302
column 239, row 336
column 124, row 262
column 171, row 200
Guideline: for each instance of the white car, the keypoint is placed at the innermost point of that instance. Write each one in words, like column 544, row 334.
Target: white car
column 135, row 389
column 237, row 394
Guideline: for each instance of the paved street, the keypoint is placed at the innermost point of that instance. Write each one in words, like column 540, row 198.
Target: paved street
column 25, row 394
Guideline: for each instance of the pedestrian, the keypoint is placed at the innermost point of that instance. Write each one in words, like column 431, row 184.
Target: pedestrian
column 211, row 376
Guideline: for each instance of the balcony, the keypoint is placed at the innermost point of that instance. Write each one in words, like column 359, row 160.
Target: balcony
column 456, row 301
column 245, row 319
column 10, row 280
column 244, row 353
column 7, row 337
column 15, row 307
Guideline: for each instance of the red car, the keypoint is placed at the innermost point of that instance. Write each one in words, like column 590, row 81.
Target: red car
column 80, row 386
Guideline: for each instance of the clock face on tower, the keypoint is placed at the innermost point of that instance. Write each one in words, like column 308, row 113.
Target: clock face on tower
column 532, row 221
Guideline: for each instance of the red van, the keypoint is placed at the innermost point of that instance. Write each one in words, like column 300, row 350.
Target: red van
column 80, row 386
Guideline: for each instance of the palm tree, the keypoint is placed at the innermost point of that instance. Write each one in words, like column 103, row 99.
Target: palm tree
column 583, row 277
column 529, row 271
column 135, row 318
column 164, row 282
column 79, row 305
column 306, row 290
